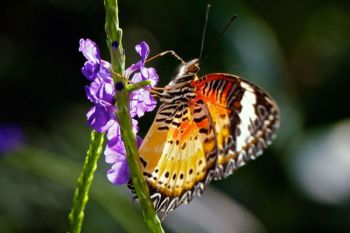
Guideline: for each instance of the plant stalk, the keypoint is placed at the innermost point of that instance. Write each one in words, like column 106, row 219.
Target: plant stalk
column 114, row 37
column 81, row 194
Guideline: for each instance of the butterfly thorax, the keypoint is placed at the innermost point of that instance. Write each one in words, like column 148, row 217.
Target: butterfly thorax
column 179, row 89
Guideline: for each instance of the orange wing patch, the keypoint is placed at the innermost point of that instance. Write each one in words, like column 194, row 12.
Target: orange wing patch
column 215, row 93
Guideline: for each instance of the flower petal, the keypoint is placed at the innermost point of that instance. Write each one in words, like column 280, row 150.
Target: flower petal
column 138, row 141
column 104, row 71
column 150, row 74
column 137, row 77
column 143, row 50
column 90, row 70
column 135, row 127
column 134, row 67
column 98, row 118
column 115, row 150
column 119, row 173
column 141, row 101
column 101, row 92
column 90, row 50
column 114, row 131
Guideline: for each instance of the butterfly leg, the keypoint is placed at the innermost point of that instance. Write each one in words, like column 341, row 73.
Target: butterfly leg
column 158, row 88
column 172, row 52
column 155, row 92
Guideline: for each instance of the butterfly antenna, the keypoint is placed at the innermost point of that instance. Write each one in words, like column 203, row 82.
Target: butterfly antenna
column 204, row 30
column 221, row 35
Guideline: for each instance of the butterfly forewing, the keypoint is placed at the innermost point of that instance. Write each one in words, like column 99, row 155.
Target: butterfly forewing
column 245, row 118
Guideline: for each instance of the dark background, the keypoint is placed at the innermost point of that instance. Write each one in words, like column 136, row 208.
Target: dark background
column 297, row 50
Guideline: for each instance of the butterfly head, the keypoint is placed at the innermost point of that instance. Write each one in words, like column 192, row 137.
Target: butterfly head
column 186, row 72
column 189, row 68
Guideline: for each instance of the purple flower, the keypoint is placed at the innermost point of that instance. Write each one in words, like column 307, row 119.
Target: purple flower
column 119, row 173
column 143, row 50
column 100, row 118
column 101, row 92
column 92, row 55
column 115, row 154
column 11, row 138
column 141, row 100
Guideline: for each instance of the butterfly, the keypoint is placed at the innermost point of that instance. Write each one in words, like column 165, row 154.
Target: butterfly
column 205, row 128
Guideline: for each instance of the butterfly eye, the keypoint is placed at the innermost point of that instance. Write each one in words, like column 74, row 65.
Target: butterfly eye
column 193, row 66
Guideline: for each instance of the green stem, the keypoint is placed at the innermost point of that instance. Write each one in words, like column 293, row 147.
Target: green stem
column 81, row 194
column 134, row 86
column 114, row 33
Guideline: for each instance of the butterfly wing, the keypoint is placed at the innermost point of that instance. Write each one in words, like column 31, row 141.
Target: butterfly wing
column 244, row 116
column 177, row 154
column 228, row 122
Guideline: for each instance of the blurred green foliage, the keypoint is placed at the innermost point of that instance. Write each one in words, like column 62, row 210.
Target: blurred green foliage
column 298, row 50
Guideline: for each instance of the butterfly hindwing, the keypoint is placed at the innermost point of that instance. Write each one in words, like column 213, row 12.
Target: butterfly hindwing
column 244, row 116
column 177, row 153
